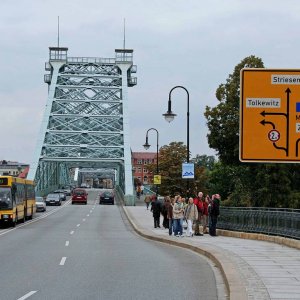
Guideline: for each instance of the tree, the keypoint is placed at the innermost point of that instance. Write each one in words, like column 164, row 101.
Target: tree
column 171, row 158
column 205, row 161
column 223, row 120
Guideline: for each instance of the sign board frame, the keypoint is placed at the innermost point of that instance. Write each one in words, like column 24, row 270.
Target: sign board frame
column 270, row 115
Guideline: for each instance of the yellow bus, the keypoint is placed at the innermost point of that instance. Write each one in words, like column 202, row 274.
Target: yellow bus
column 17, row 200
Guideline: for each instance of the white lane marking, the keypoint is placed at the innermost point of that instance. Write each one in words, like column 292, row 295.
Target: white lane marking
column 87, row 215
column 72, row 232
column 83, row 220
column 78, row 225
column 67, row 243
column 36, row 219
column 27, row 295
column 63, row 260
column 91, row 211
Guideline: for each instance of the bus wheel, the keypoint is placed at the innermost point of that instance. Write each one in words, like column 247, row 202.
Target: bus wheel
column 15, row 221
column 31, row 216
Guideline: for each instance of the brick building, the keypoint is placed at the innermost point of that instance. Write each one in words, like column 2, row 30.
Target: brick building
column 139, row 161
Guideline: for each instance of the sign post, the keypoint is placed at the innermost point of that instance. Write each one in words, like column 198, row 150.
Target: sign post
column 270, row 115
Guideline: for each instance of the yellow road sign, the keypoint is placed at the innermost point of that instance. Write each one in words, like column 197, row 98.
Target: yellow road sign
column 157, row 179
column 270, row 115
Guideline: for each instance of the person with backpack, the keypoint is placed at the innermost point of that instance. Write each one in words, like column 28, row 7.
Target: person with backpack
column 198, row 201
column 214, row 212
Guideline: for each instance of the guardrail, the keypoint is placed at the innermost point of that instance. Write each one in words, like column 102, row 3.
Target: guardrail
column 272, row 221
column 127, row 200
column 119, row 193
column 98, row 60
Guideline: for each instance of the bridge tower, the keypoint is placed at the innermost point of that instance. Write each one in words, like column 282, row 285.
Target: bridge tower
column 86, row 119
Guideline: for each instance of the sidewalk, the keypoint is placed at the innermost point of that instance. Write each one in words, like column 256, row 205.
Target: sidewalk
column 251, row 269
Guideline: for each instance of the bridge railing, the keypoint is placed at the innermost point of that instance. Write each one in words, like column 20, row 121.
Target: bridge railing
column 91, row 60
column 272, row 221
column 127, row 200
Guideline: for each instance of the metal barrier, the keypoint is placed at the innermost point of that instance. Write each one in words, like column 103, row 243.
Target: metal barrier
column 127, row 200
column 272, row 221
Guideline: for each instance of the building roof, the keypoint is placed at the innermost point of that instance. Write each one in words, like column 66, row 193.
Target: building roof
column 143, row 155
column 12, row 163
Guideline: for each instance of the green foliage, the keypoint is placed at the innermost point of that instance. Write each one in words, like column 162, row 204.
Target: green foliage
column 171, row 158
column 205, row 161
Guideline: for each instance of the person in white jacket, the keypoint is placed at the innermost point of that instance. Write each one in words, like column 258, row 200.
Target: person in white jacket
column 190, row 214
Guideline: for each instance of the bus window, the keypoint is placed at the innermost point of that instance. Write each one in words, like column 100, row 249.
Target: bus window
column 5, row 198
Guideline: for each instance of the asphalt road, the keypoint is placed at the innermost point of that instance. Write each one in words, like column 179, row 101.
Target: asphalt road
column 91, row 252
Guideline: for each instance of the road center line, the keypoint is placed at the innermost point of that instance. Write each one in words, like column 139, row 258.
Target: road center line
column 67, row 243
column 63, row 260
column 72, row 232
column 87, row 215
column 78, row 225
column 27, row 295
column 83, row 220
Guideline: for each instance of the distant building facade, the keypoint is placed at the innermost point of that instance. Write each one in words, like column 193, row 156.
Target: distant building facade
column 12, row 168
column 139, row 162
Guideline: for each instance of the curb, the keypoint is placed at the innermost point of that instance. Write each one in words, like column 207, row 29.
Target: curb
column 261, row 237
column 234, row 285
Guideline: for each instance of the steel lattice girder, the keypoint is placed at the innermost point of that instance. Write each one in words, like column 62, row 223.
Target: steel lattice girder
column 82, row 152
column 76, row 138
column 85, row 119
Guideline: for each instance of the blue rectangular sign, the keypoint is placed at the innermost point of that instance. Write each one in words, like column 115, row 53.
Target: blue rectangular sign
column 188, row 170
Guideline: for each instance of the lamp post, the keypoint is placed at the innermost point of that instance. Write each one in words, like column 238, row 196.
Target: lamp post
column 147, row 146
column 169, row 117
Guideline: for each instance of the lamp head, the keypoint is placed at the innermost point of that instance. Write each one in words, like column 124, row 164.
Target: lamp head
column 169, row 116
column 146, row 146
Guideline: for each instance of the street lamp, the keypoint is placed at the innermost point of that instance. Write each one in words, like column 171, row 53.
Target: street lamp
column 169, row 117
column 147, row 146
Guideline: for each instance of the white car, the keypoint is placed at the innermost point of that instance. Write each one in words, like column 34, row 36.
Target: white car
column 40, row 204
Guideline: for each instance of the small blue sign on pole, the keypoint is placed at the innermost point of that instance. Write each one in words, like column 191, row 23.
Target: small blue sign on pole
column 188, row 170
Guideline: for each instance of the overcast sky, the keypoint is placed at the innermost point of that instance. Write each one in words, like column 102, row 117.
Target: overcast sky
column 193, row 43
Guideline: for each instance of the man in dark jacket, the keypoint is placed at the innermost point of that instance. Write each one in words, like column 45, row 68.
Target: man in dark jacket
column 156, row 210
column 214, row 213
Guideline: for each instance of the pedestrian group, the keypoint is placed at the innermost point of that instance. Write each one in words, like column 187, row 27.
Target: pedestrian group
column 199, row 214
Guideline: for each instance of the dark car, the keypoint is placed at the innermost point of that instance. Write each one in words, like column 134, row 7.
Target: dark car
column 79, row 196
column 53, row 199
column 107, row 197
column 62, row 194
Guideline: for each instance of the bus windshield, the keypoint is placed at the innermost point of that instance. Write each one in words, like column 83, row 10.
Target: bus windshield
column 5, row 198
